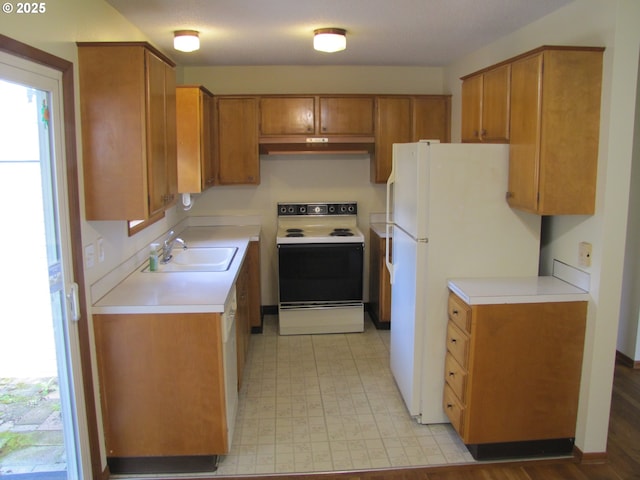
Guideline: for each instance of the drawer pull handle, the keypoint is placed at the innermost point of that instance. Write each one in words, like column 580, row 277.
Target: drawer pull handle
column 449, row 405
column 451, row 374
column 455, row 312
column 453, row 340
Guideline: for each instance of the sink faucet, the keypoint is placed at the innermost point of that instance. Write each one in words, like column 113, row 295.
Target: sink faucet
column 168, row 246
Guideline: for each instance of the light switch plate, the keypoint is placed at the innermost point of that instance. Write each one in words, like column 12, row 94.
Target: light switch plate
column 89, row 255
column 100, row 243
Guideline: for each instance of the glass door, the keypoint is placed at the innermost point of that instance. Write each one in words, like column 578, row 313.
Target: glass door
column 41, row 408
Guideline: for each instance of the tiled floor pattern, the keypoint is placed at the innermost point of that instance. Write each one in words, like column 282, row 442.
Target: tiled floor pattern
column 314, row 403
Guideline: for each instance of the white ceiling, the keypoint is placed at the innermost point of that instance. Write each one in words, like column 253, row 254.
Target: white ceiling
column 379, row 32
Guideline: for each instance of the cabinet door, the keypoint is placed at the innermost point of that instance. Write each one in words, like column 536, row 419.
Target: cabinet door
column 161, row 143
column 495, row 104
column 194, row 132
column 569, row 131
column 238, row 159
column 113, row 132
column 287, row 115
column 346, row 116
column 208, row 114
column 432, row 118
column 471, row 108
column 525, row 358
column 161, row 384
column 393, row 125
column 524, row 150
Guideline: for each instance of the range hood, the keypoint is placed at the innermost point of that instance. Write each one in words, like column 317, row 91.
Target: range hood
column 295, row 145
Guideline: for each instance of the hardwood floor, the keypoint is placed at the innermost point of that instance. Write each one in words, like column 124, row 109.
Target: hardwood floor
column 623, row 461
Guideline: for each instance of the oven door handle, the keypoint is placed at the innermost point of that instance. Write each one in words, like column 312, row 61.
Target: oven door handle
column 388, row 226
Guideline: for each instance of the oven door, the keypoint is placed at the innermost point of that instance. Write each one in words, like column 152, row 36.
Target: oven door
column 320, row 273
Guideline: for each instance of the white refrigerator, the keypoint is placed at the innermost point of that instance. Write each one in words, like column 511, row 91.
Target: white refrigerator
column 448, row 217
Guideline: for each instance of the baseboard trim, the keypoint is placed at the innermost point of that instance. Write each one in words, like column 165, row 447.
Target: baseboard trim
column 592, row 458
column 622, row 359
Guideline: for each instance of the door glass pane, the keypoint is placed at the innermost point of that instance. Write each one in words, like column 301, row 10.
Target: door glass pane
column 37, row 432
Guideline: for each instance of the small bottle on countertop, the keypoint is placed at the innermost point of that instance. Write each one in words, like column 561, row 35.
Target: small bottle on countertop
column 153, row 257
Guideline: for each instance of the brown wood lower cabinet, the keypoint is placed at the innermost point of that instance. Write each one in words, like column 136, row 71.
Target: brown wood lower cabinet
column 513, row 372
column 162, row 384
column 379, row 282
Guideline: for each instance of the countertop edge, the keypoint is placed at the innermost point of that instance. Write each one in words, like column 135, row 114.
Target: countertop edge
column 494, row 295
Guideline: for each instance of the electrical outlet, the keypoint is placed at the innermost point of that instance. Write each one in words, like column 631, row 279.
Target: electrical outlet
column 89, row 255
column 100, row 243
column 584, row 254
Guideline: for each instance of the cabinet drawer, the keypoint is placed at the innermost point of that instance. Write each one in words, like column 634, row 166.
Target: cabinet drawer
column 455, row 376
column 453, row 409
column 458, row 344
column 459, row 312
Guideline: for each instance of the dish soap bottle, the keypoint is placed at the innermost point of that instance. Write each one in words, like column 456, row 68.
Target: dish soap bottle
column 153, row 257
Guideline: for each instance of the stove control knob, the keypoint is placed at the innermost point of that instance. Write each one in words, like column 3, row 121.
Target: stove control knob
column 292, row 209
column 283, row 209
column 303, row 209
column 317, row 209
column 332, row 209
column 352, row 208
column 343, row 208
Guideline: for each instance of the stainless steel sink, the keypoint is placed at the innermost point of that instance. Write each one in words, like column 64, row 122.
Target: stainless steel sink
column 198, row 259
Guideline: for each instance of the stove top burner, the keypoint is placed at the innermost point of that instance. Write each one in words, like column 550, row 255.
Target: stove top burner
column 341, row 232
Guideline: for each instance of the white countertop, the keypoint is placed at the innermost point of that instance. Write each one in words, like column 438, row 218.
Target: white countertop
column 484, row 291
column 380, row 229
column 182, row 292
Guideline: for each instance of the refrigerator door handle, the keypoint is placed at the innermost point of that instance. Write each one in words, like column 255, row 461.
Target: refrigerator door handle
column 390, row 181
column 387, row 258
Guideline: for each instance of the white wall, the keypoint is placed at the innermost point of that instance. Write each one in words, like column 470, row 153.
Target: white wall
column 315, row 79
column 629, row 329
column 614, row 25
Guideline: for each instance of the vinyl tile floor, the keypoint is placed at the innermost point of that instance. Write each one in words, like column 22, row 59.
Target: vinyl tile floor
column 318, row 403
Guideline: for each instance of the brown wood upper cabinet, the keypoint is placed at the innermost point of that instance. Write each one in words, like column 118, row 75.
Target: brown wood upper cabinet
column 287, row 115
column 237, row 158
column 555, row 125
column 485, row 105
column 346, row 115
column 316, row 115
column 194, row 113
column 128, row 108
column 410, row 118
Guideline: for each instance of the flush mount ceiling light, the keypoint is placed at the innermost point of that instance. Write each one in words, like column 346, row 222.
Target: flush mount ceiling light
column 329, row 39
column 186, row 40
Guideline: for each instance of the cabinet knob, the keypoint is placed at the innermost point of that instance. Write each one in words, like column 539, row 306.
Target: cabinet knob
column 455, row 312
column 449, row 405
column 453, row 340
column 509, row 195
column 451, row 374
